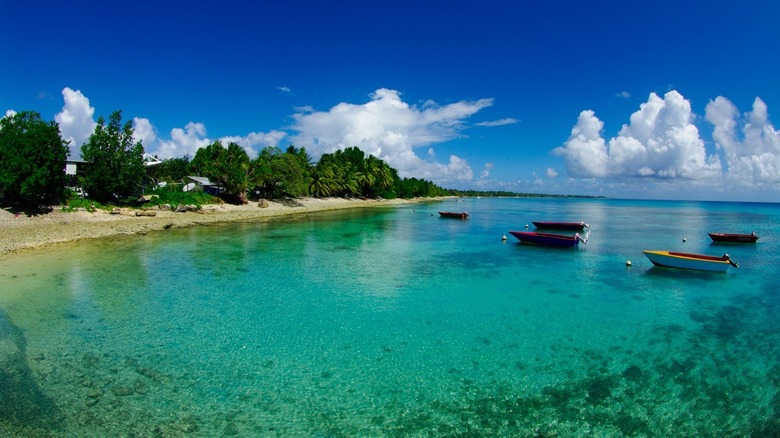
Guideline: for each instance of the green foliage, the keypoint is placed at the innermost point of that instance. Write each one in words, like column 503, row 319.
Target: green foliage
column 74, row 202
column 349, row 172
column 173, row 195
column 117, row 169
column 171, row 170
column 278, row 174
column 228, row 168
column 32, row 159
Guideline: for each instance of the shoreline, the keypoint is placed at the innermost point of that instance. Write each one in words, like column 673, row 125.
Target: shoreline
column 20, row 232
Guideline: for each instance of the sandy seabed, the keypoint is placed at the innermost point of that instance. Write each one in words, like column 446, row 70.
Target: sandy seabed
column 20, row 232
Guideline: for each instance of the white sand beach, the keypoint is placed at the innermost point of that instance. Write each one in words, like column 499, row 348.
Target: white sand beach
column 20, row 232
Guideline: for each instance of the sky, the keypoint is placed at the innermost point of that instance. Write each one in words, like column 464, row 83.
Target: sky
column 648, row 100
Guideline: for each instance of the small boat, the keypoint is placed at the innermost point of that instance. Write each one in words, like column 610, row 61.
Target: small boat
column 548, row 239
column 454, row 214
column 574, row 226
column 734, row 237
column 682, row 260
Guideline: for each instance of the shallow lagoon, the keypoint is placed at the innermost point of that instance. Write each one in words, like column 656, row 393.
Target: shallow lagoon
column 396, row 322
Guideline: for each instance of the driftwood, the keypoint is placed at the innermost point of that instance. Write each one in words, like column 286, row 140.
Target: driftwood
column 146, row 213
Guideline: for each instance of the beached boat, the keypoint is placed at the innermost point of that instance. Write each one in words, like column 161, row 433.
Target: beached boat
column 454, row 214
column 548, row 239
column 734, row 237
column 574, row 226
column 682, row 260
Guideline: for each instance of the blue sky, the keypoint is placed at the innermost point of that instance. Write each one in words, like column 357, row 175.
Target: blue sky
column 670, row 100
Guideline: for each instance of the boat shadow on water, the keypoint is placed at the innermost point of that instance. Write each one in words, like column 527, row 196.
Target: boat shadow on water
column 688, row 274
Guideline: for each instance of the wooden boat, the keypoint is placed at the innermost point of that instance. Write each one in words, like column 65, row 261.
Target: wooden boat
column 734, row 237
column 454, row 214
column 682, row 260
column 574, row 226
column 548, row 239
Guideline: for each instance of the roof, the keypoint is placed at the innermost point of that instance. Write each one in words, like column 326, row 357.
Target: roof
column 201, row 180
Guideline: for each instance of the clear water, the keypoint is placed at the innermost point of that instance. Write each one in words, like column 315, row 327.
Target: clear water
column 395, row 322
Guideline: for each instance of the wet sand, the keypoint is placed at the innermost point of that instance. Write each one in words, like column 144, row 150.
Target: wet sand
column 19, row 232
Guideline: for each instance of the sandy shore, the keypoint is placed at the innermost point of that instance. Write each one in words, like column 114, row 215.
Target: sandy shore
column 20, row 232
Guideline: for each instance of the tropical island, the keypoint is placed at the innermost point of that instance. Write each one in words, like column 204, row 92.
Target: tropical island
column 121, row 190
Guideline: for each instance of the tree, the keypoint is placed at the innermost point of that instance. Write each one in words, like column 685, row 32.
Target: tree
column 173, row 169
column 32, row 159
column 278, row 174
column 228, row 168
column 116, row 162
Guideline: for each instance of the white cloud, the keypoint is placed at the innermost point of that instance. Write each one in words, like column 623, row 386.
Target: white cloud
column 255, row 141
column 75, row 120
column 486, row 171
column 390, row 129
column 623, row 94
column 144, row 132
column 659, row 142
column 585, row 151
column 284, row 89
column 183, row 142
column 551, row 173
column 501, row 122
column 10, row 113
column 750, row 145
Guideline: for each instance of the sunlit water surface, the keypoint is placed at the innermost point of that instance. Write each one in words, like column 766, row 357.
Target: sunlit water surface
column 397, row 322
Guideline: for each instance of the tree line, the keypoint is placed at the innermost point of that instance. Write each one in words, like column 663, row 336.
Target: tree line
column 33, row 153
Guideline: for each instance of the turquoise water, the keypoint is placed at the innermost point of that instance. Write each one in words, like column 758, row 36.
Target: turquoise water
column 394, row 322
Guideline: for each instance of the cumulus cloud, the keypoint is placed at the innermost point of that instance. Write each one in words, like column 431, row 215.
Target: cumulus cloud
column 551, row 173
column 390, row 129
column 255, row 141
column 750, row 144
column 183, row 141
column 143, row 131
column 486, row 171
column 75, row 120
column 660, row 142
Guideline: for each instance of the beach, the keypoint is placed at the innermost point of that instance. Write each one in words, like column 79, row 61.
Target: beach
column 20, row 232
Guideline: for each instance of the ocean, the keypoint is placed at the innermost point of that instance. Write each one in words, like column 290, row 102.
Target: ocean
column 396, row 322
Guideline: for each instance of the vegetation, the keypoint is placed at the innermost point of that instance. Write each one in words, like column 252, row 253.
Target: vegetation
column 116, row 163
column 173, row 195
column 32, row 153
column 32, row 157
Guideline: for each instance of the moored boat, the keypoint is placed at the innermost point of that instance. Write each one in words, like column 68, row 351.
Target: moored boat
column 574, row 226
column 548, row 239
column 683, row 260
column 454, row 214
column 734, row 237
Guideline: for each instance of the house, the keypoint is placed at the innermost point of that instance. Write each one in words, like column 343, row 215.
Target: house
column 200, row 182
column 75, row 167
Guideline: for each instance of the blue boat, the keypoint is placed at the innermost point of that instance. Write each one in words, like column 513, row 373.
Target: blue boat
column 548, row 239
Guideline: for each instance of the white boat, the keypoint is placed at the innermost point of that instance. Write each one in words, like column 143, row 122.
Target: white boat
column 683, row 260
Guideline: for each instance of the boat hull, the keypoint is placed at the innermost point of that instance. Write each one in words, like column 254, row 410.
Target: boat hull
column 546, row 239
column 696, row 262
column 454, row 214
column 733, row 237
column 572, row 226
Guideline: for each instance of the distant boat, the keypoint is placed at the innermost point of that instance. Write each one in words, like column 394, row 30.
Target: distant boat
column 734, row 237
column 682, row 260
column 574, row 226
column 548, row 239
column 454, row 214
